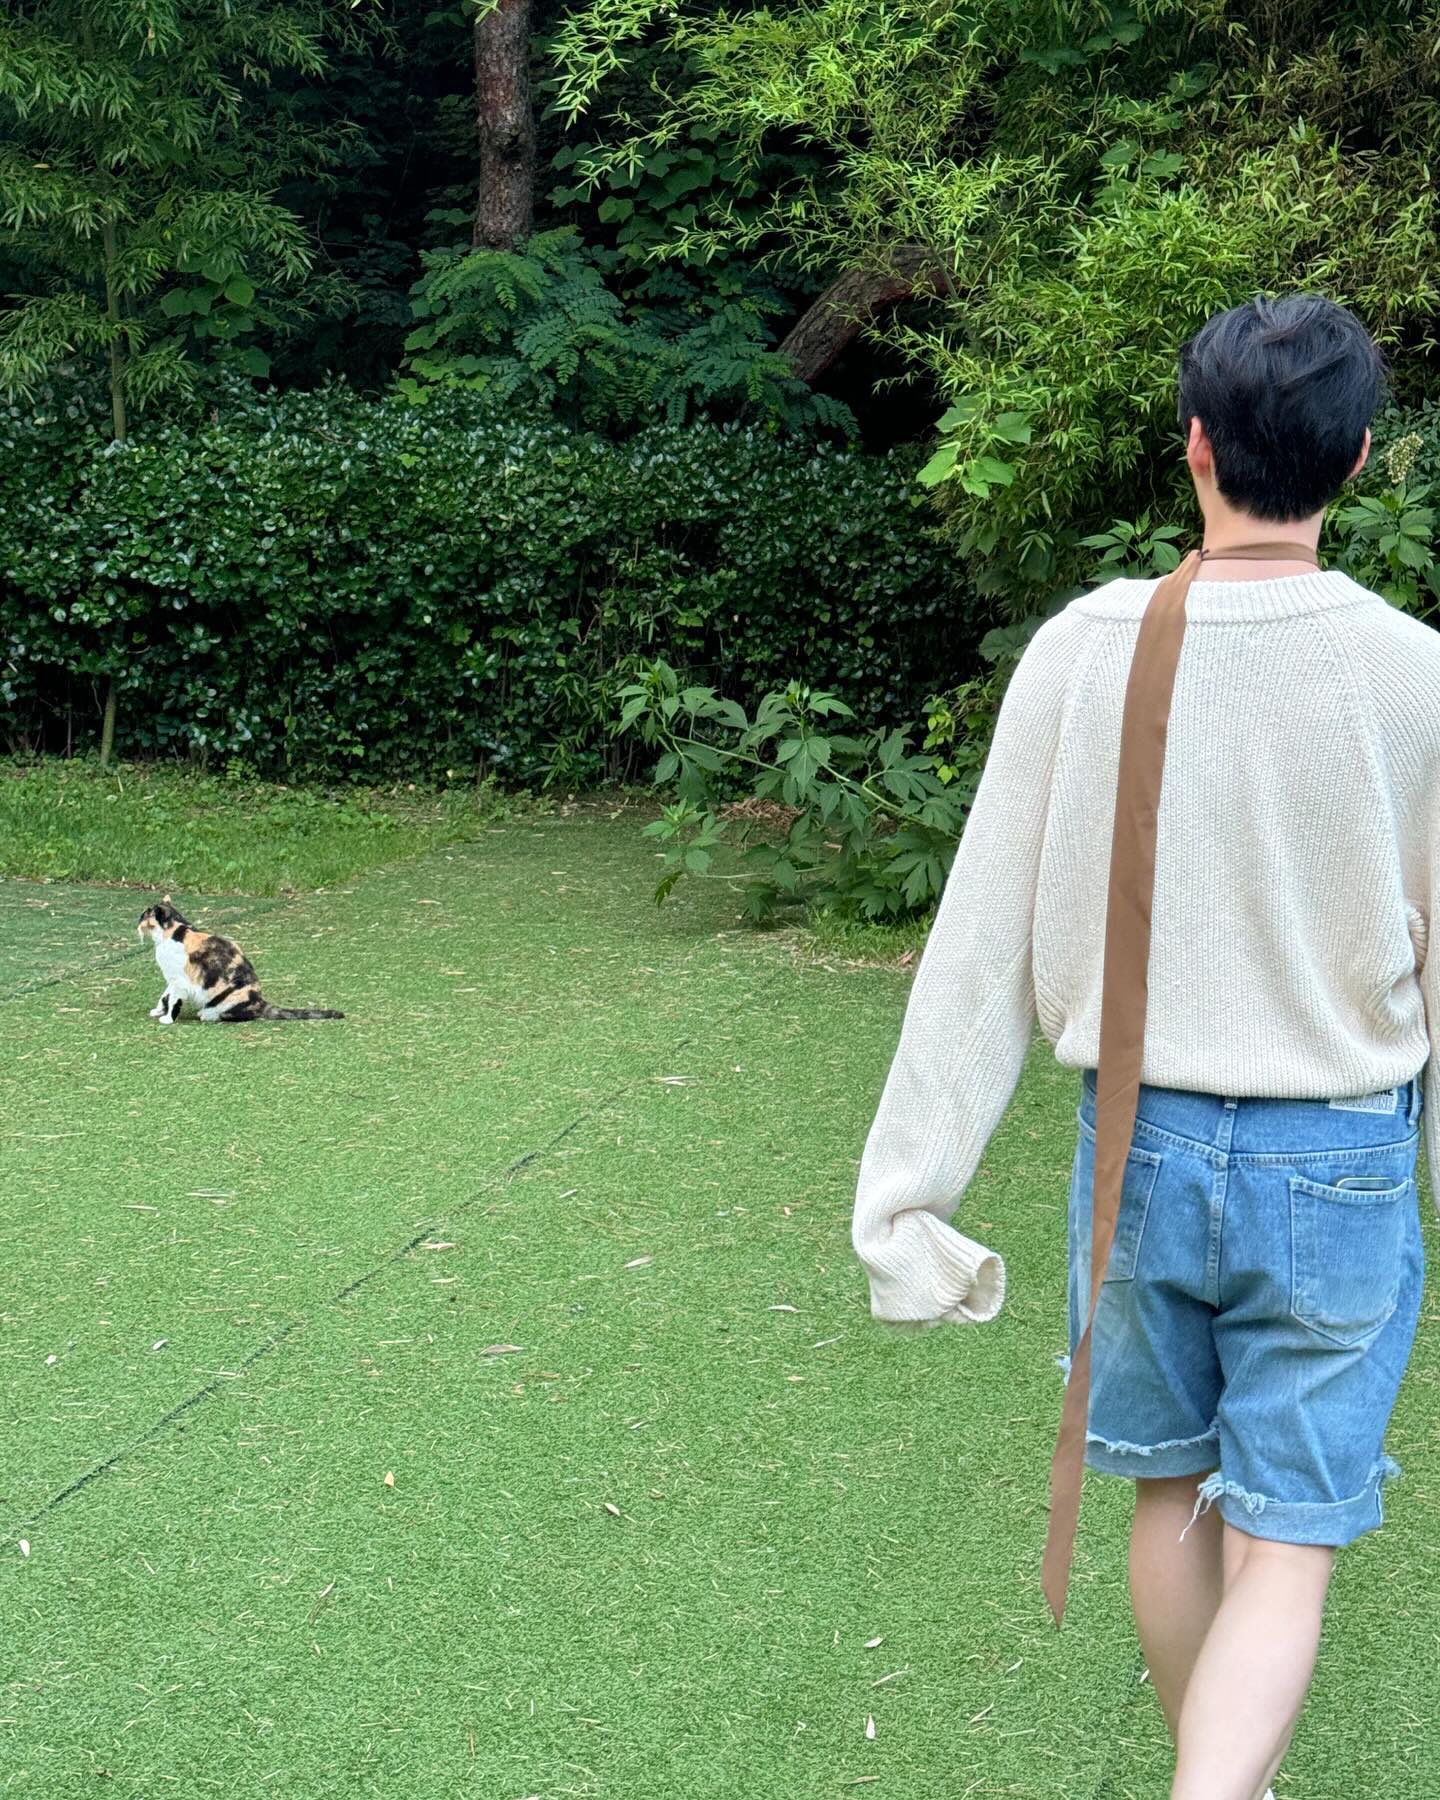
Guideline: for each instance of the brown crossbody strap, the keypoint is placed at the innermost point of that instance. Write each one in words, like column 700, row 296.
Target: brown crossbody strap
column 1123, row 997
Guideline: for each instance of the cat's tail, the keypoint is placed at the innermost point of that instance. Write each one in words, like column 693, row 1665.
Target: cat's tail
column 267, row 1011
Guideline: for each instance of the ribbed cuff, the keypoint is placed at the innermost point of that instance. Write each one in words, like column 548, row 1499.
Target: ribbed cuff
column 927, row 1271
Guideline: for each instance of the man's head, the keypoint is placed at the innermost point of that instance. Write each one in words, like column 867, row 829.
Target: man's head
column 1276, row 398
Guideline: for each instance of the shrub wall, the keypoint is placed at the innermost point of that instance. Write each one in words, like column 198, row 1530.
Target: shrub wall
column 328, row 584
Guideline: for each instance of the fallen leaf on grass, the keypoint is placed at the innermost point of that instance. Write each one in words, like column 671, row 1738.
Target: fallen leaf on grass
column 870, row 1727
column 500, row 1349
column 873, row 1643
column 439, row 1246
column 389, row 1479
column 24, row 1546
column 611, row 1507
column 782, row 1307
column 320, row 1600
column 639, row 1262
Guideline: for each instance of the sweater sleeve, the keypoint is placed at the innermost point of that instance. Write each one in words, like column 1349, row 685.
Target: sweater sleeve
column 968, row 1022
column 1430, row 988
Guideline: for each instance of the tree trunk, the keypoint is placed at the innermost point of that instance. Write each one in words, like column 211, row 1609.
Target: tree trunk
column 850, row 303
column 107, row 726
column 120, row 428
column 505, row 197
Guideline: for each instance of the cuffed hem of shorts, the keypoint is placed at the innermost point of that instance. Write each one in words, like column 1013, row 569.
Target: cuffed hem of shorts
column 1329, row 1522
column 1154, row 1462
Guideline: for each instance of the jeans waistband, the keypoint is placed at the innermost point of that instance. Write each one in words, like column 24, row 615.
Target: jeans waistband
column 1408, row 1106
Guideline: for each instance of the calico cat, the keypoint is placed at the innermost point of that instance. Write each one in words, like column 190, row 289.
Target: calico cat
column 210, row 971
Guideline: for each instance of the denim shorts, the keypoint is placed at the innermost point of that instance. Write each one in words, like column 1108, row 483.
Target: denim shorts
column 1260, row 1301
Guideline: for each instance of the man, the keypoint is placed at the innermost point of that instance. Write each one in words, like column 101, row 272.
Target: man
column 1263, row 1287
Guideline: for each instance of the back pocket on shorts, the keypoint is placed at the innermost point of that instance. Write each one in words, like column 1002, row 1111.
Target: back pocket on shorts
column 1141, row 1168
column 1347, row 1245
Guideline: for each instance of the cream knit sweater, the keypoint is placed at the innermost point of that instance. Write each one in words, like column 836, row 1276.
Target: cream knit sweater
column 1297, row 871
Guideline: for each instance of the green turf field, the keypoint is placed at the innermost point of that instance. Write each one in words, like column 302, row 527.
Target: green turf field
column 298, row 1527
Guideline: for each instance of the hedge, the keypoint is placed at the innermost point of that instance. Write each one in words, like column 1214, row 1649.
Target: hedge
column 325, row 584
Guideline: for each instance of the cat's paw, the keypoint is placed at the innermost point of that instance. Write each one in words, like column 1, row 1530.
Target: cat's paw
column 158, row 1012
column 168, row 1018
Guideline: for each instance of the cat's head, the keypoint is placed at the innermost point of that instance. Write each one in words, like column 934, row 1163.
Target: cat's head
column 155, row 921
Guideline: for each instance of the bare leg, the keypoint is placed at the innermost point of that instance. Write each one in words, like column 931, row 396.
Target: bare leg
column 1175, row 1588
column 1250, row 1679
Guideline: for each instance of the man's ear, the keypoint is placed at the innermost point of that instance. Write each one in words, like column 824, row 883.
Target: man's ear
column 1364, row 455
column 1198, row 453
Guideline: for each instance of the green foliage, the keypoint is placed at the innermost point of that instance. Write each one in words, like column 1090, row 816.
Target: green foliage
column 646, row 204
column 872, row 826
column 642, row 207
column 1384, row 534
column 1135, row 547
column 871, row 823
column 1092, row 181
column 587, row 322
column 961, row 721
column 136, row 181
column 543, row 327
column 396, row 113
column 333, row 586
column 1388, row 541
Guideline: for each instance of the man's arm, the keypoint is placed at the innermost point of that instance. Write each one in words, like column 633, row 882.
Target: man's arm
column 968, row 1021
column 1430, row 988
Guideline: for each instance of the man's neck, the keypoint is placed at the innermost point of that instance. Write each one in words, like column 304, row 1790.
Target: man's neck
column 1227, row 529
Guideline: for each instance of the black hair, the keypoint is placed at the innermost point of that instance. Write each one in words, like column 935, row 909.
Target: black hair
column 1284, row 390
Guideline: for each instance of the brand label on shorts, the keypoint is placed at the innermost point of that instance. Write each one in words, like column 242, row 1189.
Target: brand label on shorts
column 1385, row 1102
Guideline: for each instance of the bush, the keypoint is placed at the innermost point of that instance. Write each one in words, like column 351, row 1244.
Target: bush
column 328, row 585
column 541, row 326
column 1385, row 533
column 870, row 823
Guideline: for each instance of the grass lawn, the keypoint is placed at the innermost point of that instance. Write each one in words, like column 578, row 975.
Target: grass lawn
column 479, row 1396
column 161, row 827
